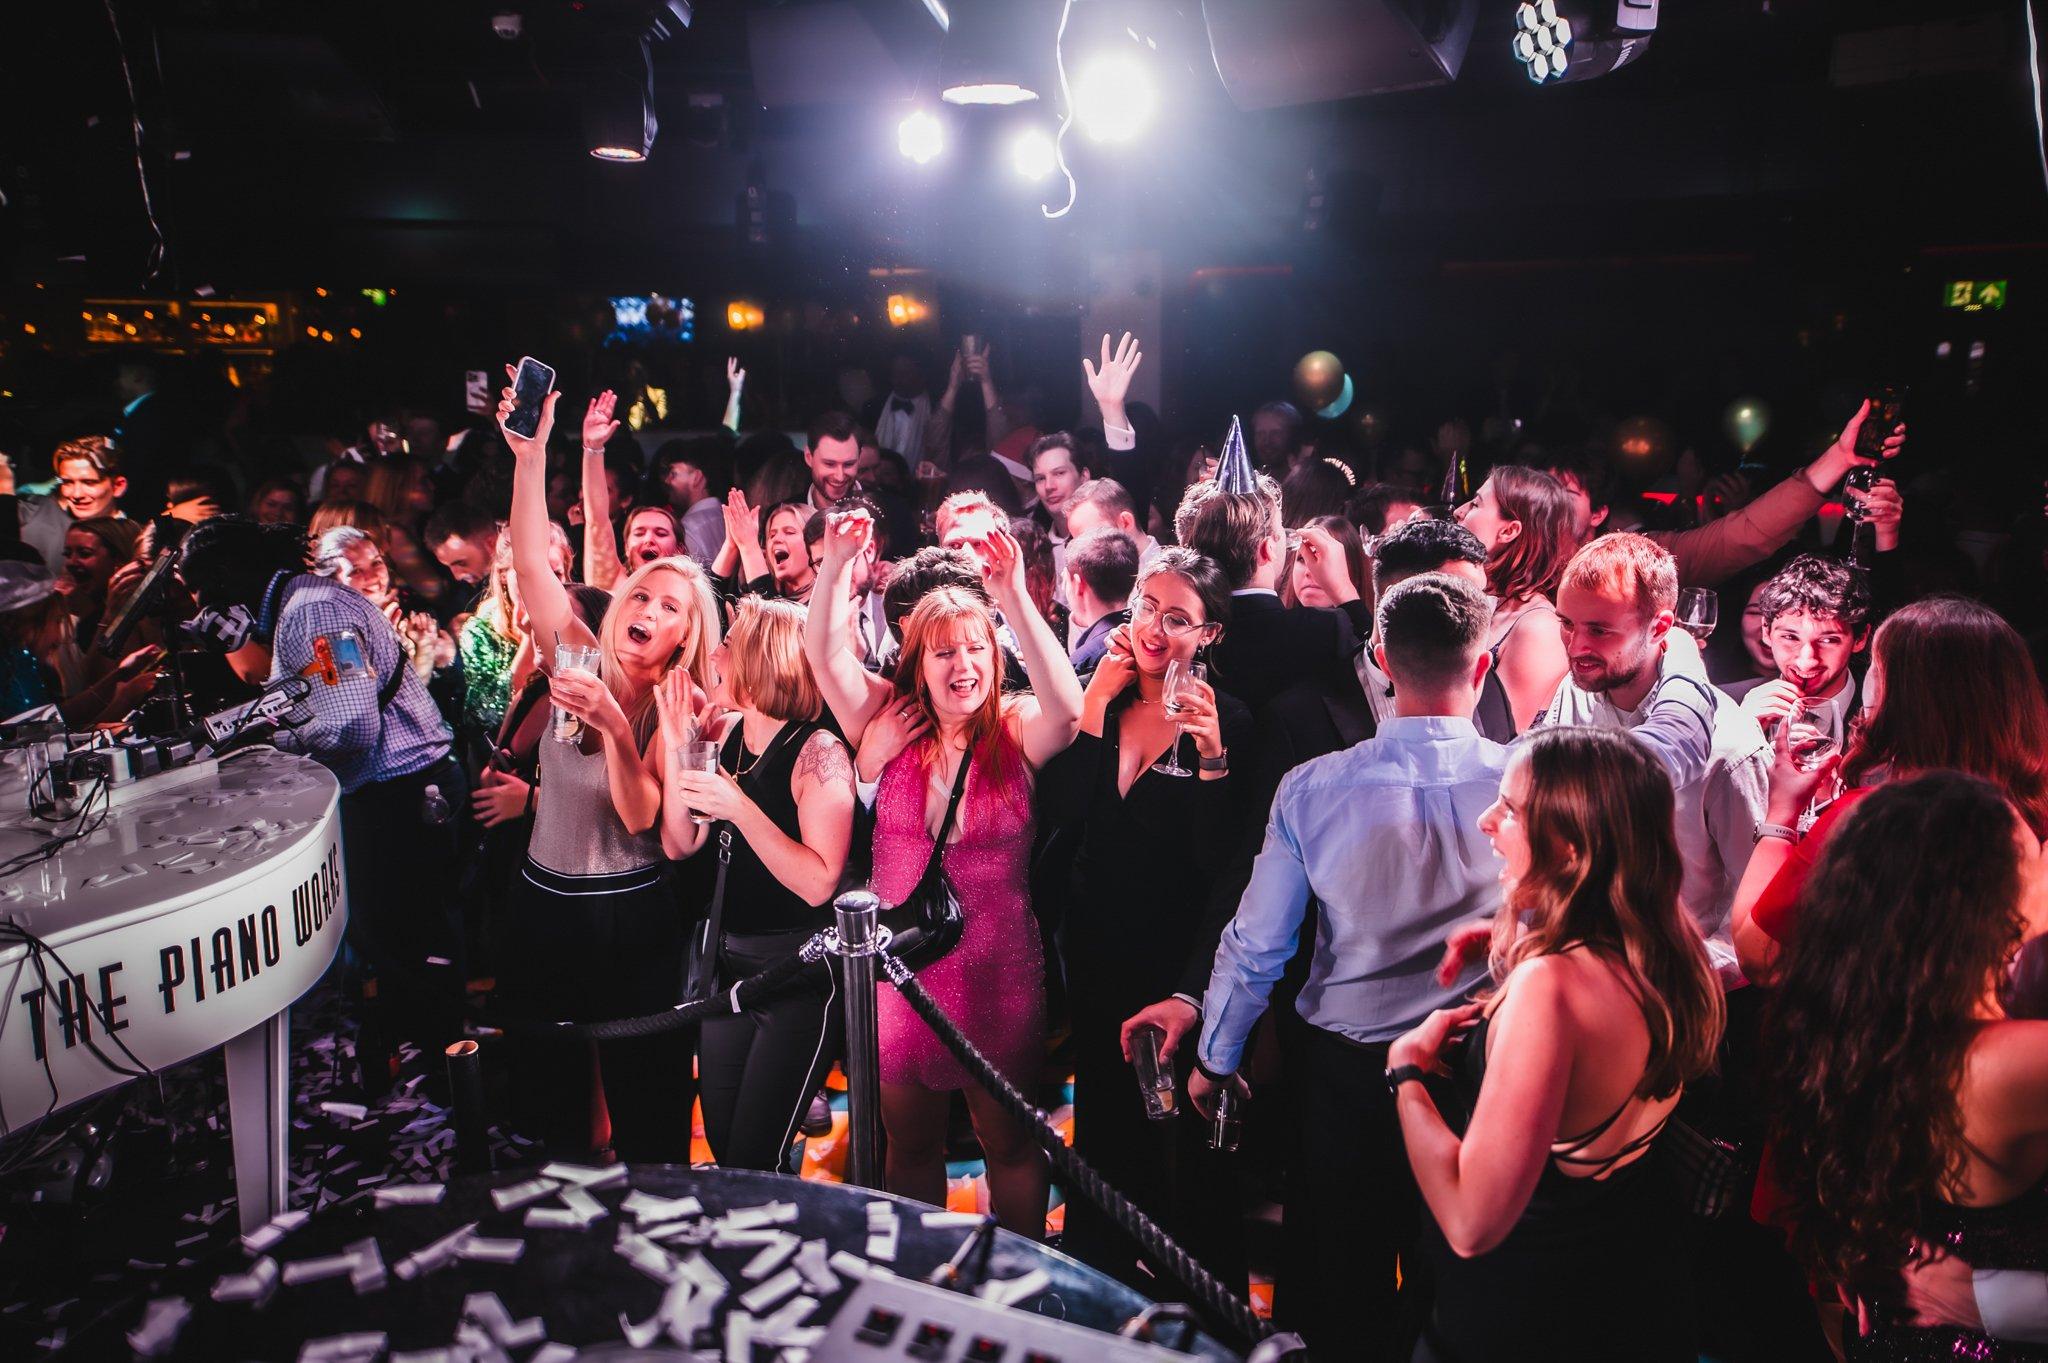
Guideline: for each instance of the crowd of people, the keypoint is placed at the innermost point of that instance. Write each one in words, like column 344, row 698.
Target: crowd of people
column 1598, row 983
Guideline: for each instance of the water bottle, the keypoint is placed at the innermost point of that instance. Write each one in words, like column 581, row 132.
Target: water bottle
column 434, row 807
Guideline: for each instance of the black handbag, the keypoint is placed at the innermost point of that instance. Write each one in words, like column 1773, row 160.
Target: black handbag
column 926, row 925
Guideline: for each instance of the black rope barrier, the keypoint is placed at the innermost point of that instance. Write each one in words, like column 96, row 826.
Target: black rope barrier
column 752, row 989
column 1209, row 1291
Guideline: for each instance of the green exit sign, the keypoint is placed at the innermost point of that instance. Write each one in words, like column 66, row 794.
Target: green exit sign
column 1975, row 295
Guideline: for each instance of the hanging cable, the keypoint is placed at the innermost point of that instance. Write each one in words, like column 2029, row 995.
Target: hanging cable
column 157, row 247
column 1059, row 141
column 2034, row 75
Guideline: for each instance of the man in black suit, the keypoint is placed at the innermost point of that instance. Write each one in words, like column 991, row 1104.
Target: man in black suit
column 1308, row 719
column 1101, row 566
column 1268, row 646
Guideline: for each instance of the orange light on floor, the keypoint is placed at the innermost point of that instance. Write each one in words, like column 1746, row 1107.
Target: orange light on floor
column 742, row 316
column 905, row 309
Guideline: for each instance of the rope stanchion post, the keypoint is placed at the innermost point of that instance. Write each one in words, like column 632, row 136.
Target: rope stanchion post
column 1205, row 1289
column 857, row 938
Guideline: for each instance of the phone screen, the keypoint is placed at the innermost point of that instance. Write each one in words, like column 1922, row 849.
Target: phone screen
column 530, row 384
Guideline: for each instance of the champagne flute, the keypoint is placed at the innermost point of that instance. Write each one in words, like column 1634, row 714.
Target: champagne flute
column 1699, row 610
column 1179, row 676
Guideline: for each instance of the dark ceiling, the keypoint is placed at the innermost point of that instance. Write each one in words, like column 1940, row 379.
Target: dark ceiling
column 403, row 140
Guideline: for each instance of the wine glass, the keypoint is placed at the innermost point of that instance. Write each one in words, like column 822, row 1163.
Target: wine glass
column 1811, row 744
column 1699, row 610
column 1180, row 677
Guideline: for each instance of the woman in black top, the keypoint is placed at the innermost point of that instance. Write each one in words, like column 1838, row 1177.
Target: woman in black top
column 781, row 811
column 1149, row 846
column 1550, row 1236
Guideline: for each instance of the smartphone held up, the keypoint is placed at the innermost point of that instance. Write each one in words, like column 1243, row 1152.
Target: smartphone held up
column 531, row 383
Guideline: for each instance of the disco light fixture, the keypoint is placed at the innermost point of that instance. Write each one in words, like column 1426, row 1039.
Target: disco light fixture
column 1543, row 40
column 996, row 52
column 1559, row 41
column 618, row 111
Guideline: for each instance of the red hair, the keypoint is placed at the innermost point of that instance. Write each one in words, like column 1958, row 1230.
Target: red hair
column 942, row 614
column 1960, row 692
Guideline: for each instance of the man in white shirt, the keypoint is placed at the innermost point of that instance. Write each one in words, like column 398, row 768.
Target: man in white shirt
column 1615, row 605
column 1816, row 615
column 1103, row 504
column 902, row 416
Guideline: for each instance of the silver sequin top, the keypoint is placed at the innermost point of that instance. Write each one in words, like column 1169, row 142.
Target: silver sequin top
column 576, row 828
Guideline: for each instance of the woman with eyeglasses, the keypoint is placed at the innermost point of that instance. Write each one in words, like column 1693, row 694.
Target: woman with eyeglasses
column 1148, row 846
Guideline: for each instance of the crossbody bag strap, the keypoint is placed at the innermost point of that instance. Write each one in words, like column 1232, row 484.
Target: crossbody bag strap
column 700, row 964
column 952, row 807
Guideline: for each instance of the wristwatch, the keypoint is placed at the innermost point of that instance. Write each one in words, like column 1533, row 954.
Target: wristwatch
column 1401, row 1074
column 1775, row 830
column 1220, row 762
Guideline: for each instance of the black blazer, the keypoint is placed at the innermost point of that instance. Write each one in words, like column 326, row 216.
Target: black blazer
column 1267, row 647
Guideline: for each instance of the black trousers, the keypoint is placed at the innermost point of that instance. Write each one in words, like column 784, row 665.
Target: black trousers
column 758, row 1070
column 404, row 927
column 1352, row 1211
column 589, row 949
column 1165, row 1167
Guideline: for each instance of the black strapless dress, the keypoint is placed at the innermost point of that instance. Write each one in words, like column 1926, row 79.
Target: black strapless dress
column 1594, row 1272
column 2011, row 1235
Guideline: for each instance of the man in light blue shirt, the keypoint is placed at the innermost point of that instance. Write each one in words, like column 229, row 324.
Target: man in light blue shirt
column 1383, row 840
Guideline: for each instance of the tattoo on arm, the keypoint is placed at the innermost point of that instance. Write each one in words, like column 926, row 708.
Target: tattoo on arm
column 824, row 761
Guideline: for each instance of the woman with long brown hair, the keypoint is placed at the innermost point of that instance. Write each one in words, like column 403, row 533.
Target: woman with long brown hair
column 1951, row 685
column 968, row 746
column 1908, row 1110
column 1549, row 1236
column 1524, row 518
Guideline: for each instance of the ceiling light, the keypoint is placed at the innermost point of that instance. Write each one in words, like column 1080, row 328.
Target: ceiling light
column 618, row 109
column 1115, row 97
column 921, row 136
column 997, row 52
column 1031, row 154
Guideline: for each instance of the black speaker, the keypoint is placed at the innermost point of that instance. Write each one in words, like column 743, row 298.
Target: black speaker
column 1271, row 53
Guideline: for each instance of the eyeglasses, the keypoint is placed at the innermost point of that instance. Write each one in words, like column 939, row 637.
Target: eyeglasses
column 1173, row 623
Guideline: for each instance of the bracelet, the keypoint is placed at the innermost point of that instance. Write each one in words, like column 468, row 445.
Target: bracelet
column 1214, row 1076
column 1402, row 1074
column 1775, row 830
column 1220, row 762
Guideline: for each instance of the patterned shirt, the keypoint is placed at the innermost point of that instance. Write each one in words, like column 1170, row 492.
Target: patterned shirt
column 486, row 671
column 327, row 632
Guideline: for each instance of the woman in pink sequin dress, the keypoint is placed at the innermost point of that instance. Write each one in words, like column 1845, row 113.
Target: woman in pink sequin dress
column 946, row 707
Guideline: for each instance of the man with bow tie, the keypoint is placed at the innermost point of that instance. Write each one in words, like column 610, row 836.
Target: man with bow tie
column 901, row 417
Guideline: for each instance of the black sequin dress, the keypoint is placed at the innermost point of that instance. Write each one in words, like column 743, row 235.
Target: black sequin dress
column 2011, row 1235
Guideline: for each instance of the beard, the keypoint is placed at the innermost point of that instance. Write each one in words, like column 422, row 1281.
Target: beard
column 1613, row 677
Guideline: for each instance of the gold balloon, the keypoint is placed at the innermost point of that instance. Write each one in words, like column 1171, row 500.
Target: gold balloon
column 1643, row 448
column 1319, row 379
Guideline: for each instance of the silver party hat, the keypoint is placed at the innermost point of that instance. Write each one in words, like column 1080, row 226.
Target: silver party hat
column 1234, row 469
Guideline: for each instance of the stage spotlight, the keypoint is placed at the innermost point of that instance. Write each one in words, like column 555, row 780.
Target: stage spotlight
column 1115, row 97
column 618, row 110
column 921, row 136
column 1570, row 40
column 997, row 52
column 1032, row 154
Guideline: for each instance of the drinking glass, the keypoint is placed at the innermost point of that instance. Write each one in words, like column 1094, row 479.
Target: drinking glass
column 1699, row 610
column 1810, row 744
column 565, row 727
column 698, row 754
column 1179, row 675
column 1155, row 1080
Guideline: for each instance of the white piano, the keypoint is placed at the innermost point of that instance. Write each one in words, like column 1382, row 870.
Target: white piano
column 209, row 900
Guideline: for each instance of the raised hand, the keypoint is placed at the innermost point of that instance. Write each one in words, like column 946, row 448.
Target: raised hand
column 1003, row 569
column 847, row 536
column 675, row 707
column 1111, row 383
column 742, row 522
column 1772, row 702
column 1327, row 567
column 894, row 728
column 1882, row 508
column 735, row 377
column 1116, row 669
column 598, row 426
column 1845, row 443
